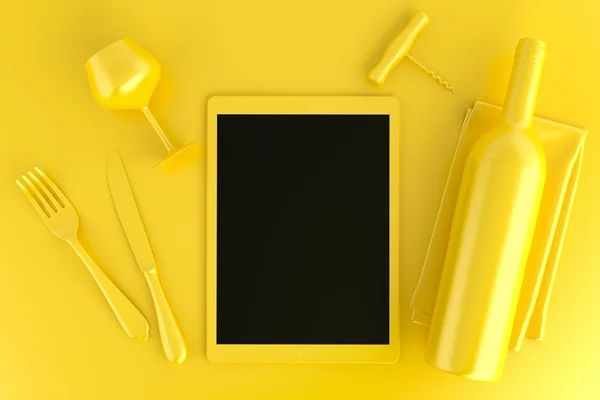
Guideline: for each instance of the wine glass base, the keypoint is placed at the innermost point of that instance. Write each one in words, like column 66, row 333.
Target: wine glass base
column 177, row 159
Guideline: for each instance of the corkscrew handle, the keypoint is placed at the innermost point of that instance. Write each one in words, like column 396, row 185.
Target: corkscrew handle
column 398, row 48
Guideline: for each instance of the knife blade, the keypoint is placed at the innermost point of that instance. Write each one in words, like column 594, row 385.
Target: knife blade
column 128, row 212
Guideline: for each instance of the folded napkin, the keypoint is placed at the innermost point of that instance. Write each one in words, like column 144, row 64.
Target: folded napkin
column 563, row 146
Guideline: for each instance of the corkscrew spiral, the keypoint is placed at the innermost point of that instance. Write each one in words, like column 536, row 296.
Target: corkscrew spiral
column 438, row 78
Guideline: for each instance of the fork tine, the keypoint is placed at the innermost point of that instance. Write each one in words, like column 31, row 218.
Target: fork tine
column 35, row 202
column 38, row 193
column 58, row 194
column 43, row 190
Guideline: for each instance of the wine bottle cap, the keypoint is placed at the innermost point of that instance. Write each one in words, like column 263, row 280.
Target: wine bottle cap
column 531, row 47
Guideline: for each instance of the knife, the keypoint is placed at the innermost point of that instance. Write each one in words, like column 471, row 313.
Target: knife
column 120, row 189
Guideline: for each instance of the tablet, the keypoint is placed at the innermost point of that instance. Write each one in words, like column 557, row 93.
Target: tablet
column 302, row 229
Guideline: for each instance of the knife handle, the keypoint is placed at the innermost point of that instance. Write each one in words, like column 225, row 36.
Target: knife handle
column 170, row 335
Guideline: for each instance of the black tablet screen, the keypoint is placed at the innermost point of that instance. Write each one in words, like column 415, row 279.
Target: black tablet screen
column 303, row 229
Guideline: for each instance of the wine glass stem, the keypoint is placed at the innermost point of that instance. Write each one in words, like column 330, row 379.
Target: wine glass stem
column 157, row 128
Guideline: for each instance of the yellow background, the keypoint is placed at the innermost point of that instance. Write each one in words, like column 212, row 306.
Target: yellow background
column 59, row 339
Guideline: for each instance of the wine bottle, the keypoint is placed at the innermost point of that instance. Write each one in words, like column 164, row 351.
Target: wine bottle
column 491, row 234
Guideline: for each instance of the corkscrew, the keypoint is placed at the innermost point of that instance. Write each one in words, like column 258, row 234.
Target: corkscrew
column 399, row 47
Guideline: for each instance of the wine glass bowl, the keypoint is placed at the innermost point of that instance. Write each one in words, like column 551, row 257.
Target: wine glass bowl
column 123, row 75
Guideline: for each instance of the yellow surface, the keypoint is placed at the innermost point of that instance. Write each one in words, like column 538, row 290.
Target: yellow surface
column 59, row 339
column 300, row 105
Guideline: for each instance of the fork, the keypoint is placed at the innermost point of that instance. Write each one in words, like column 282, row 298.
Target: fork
column 61, row 219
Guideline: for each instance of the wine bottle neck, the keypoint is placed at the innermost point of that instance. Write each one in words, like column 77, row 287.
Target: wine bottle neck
column 519, row 104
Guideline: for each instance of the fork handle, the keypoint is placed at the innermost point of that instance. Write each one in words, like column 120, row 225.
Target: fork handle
column 170, row 334
column 130, row 318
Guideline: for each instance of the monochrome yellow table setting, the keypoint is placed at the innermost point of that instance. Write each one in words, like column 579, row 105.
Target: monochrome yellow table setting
column 315, row 200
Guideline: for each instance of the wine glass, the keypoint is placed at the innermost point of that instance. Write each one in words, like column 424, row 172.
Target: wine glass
column 123, row 76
